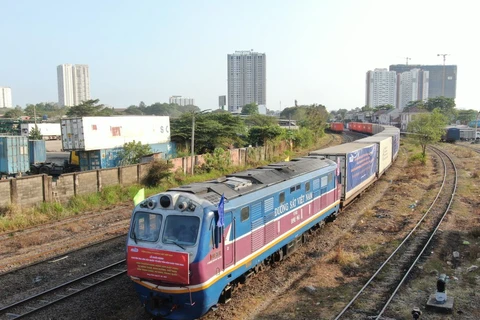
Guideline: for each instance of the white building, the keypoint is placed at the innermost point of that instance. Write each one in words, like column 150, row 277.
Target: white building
column 5, row 97
column 381, row 88
column 412, row 86
column 246, row 79
column 73, row 84
column 181, row 101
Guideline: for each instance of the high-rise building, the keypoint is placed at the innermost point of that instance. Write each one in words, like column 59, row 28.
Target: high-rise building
column 442, row 79
column 5, row 97
column 73, row 84
column 412, row 86
column 381, row 88
column 181, row 101
column 246, row 79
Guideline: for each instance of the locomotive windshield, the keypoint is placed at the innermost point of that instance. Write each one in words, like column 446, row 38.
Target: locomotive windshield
column 146, row 227
column 181, row 230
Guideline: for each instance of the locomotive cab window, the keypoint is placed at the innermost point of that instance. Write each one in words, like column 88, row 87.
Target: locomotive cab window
column 181, row 229
column 245, row 213
column 307, row 186
column 146, row 227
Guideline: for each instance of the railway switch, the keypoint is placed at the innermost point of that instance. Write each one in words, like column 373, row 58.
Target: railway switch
column 440, row 301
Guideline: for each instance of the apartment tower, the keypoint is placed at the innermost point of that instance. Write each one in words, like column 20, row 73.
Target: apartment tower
column 442, row 78
column 73, row 84
column 412, row 86
column 5, row 97
column 381, row 88
column 246, row 79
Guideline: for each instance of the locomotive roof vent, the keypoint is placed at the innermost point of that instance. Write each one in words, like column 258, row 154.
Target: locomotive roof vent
column 237, row 183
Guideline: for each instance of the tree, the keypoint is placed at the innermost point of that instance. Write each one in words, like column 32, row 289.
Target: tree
column 316, row 117
column 212, row 130
column 383, row 107
column 414, row 104
column 14, row 113
column 35, row 134
column 261, row 135
column 133, row 110
column 86, row 108
column 445, row 105
column 427, row 128
column 260, row 120
column 465, row 116
column 366, row 108
column 251, row 108
column 49, row 109
column 132, row 152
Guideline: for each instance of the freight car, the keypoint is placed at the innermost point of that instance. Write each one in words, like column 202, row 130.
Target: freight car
column 451, row 134
column 188, row 248
column 337, row 127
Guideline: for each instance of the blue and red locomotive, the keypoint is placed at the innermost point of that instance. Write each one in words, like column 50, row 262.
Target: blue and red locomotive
column 188, row 247
column 184, row 256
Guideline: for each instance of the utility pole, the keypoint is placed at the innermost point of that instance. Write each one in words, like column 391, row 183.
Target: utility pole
column 192, row 152
column 443, row 78
column 406, row 60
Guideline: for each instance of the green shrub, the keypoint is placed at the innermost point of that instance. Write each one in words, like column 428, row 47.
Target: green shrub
column 158, row 170
column 218, row 160
column 418, row 157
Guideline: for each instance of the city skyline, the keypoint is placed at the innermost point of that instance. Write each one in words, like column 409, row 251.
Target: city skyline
column 318, row 52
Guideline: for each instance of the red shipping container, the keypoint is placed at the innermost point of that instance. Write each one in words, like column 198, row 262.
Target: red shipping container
column 336, row 127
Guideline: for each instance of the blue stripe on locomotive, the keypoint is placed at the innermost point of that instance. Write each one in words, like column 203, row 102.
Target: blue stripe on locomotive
column 206, row 298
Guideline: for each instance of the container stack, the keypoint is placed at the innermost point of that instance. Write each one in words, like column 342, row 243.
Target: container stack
column 99, row 141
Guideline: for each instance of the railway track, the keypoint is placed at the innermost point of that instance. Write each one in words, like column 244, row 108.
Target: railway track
column 373, row 299
column 49, row 297
column 60, row 256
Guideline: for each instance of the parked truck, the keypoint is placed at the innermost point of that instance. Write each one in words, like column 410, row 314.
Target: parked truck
column 54, row 169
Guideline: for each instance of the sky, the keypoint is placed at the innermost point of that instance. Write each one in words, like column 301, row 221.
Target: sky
column 317, row 51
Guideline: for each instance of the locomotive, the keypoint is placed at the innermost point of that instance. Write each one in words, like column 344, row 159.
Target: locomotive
column 189, row 247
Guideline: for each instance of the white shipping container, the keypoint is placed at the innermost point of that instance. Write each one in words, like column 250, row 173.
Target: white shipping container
column 47, row 130
column 95, row 133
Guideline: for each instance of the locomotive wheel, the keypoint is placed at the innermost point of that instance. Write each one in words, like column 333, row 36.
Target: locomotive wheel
column 278, row 256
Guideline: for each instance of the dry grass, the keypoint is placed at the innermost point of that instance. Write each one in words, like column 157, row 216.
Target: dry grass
column 341, row 257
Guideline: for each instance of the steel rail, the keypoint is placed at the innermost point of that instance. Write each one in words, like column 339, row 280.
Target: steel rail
column 420, row 222
column 106, row 273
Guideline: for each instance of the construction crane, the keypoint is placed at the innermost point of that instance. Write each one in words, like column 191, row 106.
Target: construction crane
column 443, row 79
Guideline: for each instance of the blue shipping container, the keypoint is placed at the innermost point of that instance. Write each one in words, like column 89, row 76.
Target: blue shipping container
column 110, row 158
column 362, row 164
column 14, row 155
column 472, row 124
column 37, row 151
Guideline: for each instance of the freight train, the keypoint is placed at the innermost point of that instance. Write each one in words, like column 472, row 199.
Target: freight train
column 188, row 248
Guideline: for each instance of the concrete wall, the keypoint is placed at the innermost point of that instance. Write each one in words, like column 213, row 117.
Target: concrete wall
column 108, row 177
column 29, row 191
column 64, row 187
column 5, row 197
column 86, row 182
